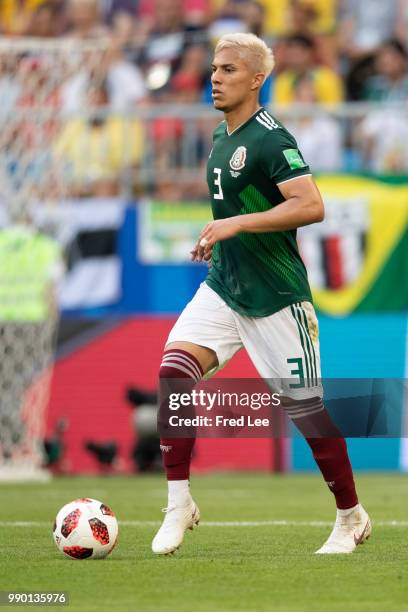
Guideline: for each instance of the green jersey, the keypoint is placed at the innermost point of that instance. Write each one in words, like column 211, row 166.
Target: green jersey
column 255, row 274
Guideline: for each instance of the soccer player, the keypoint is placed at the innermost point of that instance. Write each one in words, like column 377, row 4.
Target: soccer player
column 256, row 294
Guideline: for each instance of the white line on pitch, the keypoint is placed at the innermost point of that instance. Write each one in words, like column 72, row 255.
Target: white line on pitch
column 275, row 523
column 216, row 523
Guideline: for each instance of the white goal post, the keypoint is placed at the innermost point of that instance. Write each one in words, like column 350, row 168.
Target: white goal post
column 36, row 78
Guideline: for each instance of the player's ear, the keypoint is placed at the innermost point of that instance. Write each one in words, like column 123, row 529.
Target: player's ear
column 257, row 80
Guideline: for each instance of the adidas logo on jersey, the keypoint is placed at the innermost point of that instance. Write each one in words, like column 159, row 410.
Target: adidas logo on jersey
column 235, row 174
column 267, row 121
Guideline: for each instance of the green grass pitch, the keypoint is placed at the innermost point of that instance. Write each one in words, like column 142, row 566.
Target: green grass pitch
column 234, row 567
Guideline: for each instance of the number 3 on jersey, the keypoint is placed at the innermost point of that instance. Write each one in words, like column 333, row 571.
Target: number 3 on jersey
column 218, row 195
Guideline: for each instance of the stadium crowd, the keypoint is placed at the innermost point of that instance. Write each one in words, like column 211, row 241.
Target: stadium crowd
column 328, row 52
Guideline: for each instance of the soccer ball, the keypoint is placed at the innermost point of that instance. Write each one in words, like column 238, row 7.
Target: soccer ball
column 85, row 529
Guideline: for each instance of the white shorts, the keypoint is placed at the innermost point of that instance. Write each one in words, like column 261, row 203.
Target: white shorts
column 284, row 347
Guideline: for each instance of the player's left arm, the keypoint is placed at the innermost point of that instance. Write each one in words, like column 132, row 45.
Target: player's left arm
column 303, row 205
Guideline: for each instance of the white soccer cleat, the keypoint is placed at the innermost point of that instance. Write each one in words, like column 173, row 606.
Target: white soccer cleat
column 177, row 520
column 348, row 532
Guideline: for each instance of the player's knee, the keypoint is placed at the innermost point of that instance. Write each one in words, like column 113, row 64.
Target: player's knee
column 311, row 418
column 179, row 372
column 300, row 408
column 180, row 364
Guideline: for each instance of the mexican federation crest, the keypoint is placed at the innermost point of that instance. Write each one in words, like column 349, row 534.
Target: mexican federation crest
column 237, row 161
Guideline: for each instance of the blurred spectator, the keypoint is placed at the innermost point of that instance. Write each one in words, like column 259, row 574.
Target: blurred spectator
column 15, row 15
column 169, row 38
column 124, row 80
column 229, row 19
column 366, row 24
column 127, row 35
column 25, row 138
column 114, row 8
column 169, row 140
column 253, row 15
column 195, row 11
column 402, row 22
column 96, row 152
column 383, row 141
column 9, row 86
column 86, row 19
column 127, row 29
column 48, row 20
column 277, row 20
column 237, row 16
column 131, row 35
column 180, row 143
column 302, row 19
column 319, row 136
column 35, row 85
column 390, row 83
column 300, row 62
column 190, row 76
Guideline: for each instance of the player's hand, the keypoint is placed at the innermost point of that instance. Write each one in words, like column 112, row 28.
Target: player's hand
column 221, row 229
column 199, row 253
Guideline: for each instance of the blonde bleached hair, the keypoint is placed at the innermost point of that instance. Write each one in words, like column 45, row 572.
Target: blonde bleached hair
column 251, row 48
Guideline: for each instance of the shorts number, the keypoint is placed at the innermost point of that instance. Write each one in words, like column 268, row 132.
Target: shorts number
column 217, row 182
column 298, row 371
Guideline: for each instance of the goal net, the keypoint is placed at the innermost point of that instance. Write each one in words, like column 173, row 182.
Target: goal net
column 42, row 82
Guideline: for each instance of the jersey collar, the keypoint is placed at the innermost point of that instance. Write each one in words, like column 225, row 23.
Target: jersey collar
column 242, row 125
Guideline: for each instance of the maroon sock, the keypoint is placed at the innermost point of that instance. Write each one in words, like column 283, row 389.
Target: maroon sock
column 328, row 447
column 179, row 373
column 176, row 453
column 332, row 458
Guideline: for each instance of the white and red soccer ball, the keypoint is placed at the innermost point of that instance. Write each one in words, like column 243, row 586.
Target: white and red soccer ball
column 85, row 529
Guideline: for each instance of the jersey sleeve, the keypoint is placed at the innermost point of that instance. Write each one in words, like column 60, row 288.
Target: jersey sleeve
column 280, row 157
